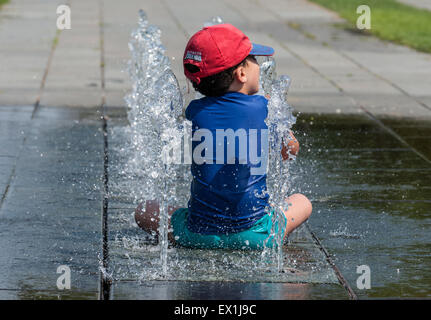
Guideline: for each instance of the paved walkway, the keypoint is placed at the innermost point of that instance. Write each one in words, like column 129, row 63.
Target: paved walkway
column 423, row 4
column 333, row 70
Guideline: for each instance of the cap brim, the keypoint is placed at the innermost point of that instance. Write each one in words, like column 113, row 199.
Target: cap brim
column 261, row 50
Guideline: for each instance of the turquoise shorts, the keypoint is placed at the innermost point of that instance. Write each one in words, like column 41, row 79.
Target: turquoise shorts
column 254, row 238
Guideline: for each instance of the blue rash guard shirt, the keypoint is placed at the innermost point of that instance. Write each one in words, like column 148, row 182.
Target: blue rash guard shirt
column 228, row 191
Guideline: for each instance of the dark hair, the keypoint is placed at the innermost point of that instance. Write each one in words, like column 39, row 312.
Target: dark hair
column 217, row 84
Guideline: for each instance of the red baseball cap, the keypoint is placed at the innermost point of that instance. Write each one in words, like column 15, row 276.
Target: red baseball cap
column 217, row 48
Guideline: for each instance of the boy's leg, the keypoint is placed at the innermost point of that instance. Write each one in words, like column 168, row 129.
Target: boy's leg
column 299, row 211
column 148, row 218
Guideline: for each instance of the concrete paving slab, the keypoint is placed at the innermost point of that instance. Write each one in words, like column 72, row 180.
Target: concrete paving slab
column 13, row 127
column 174, row 36
column 46, row 196
column 71, row 97
column 370, row 175
column 397, row 66
column 346, row 163
column 118, row 23
column 135, row 258
column 376, row 185
column 300, row 32
column 339, row 70
column 422, row 4
column 76, row 63
column 417, row 133
column 33, row 26
column 159, row 290
column 26, row 96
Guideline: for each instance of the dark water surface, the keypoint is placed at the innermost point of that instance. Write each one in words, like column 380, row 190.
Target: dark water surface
column 371, row 199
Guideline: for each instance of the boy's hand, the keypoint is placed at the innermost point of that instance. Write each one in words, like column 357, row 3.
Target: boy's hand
column 291, row 149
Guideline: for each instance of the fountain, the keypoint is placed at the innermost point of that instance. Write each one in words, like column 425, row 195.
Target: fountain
column 155, row 122
column 157, row 158
column 279, row 121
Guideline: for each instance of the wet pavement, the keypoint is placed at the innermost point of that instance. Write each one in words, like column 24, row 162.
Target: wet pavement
column 135, row 264
column 371, row 198
column 50, row 168
column 370, row 193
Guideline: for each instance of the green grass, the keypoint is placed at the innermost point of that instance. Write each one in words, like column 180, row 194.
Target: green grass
column 390, row 20
column 2, row 2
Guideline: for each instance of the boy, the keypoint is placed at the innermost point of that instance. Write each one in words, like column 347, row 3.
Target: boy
column 229, row 204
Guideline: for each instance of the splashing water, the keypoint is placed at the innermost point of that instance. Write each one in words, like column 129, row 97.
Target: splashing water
column 155, row 124
column 158, row 133
column 279, row 121
column 213, row 21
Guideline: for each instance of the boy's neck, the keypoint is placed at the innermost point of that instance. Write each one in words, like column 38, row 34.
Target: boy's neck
column 236, row 86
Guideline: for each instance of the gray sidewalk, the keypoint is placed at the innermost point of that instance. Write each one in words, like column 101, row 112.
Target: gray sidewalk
column 422, row 4
column 333, row 71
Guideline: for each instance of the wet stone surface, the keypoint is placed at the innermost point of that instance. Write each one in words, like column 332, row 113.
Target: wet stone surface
column 371, row 199
column 135, row 257
column 371, row 206
column 50, row 215
column 224, row 290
